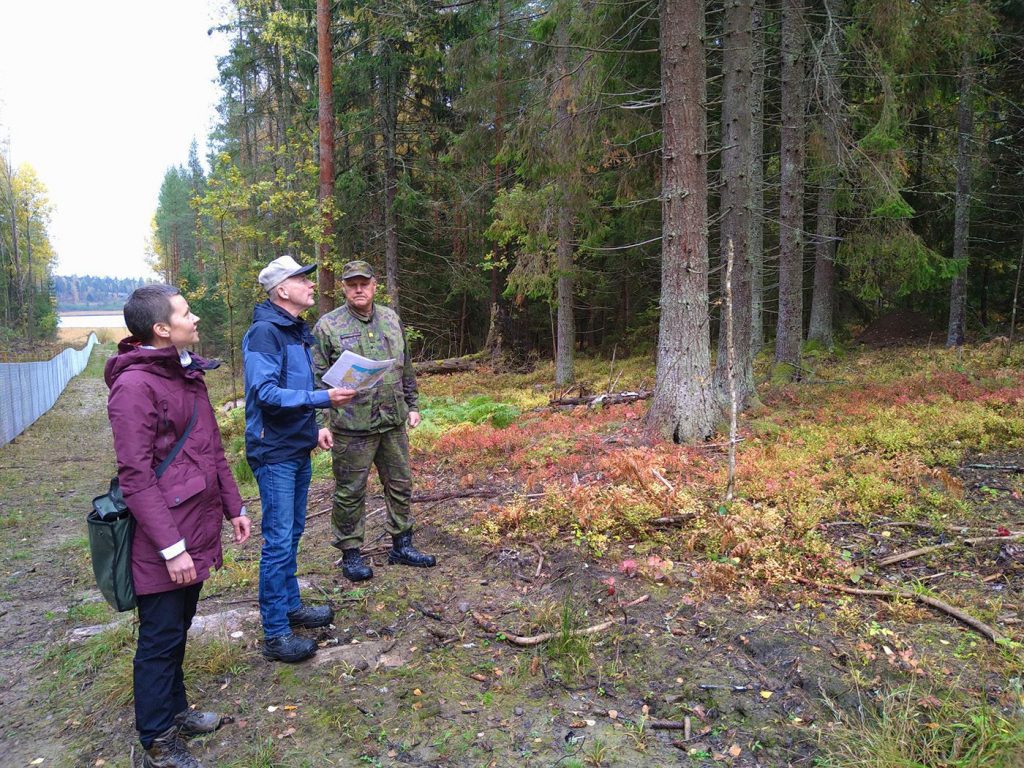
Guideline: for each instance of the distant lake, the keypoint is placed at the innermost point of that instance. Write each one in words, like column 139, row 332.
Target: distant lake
column 90, row 320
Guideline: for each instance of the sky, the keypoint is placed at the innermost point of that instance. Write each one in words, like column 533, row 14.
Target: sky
column 101, row 98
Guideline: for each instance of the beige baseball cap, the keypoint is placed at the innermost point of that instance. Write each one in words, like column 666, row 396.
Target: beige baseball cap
column 280, row 269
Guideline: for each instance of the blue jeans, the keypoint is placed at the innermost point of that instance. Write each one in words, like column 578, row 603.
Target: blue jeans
column 283, row 490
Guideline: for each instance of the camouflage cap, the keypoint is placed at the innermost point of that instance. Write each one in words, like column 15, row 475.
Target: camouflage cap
column 357, row 269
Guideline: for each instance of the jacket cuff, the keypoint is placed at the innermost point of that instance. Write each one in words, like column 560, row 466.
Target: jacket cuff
column 173, row 551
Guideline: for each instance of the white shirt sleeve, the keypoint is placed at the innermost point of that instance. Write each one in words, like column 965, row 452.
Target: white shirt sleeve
column 173, row 551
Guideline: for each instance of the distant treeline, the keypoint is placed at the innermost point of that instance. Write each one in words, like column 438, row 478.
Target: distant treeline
column 76, row 292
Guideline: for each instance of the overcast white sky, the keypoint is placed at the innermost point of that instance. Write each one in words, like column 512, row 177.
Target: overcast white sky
column 101, row 98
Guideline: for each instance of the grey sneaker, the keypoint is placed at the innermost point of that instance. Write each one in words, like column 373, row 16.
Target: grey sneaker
column 194, row 723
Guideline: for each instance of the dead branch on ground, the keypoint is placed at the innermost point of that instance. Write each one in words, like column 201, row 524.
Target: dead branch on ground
column 466, row 493
column 901, row 556
column 671, row 520
column 531, row 641
column 934, row 602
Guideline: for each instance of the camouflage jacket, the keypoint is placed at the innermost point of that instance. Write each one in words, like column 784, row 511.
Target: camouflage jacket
column 378, row 337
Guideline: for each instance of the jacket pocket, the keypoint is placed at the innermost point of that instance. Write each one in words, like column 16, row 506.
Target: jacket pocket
column 182, row 489
column 349, row 342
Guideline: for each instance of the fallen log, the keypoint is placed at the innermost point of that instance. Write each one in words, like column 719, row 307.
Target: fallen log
column 901, row 556
column 607, row 398
column 448, row 365
column 467, row 493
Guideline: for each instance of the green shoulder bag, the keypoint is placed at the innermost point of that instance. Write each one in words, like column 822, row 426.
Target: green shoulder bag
column 111, row 527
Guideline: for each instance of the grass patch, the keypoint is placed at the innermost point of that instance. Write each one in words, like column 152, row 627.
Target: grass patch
column 213, row 658
column 99, row 670
column 259, row 752
column 237, row 575
column 90, row 613
column 440, row 414
column 910, row 727
column 568, row 651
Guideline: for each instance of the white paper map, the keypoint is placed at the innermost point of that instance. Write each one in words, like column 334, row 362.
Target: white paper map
column 352, row 371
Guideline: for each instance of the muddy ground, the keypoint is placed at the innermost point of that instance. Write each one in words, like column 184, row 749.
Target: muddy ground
column 418, row 670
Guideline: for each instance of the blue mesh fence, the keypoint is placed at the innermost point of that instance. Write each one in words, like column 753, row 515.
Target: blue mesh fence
column 28, row 390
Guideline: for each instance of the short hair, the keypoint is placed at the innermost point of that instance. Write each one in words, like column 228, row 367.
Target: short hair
column 147, row 306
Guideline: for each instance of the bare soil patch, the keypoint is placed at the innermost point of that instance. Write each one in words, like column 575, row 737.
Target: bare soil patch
column 902, row 327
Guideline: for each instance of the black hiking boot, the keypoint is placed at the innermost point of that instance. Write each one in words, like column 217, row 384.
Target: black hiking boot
column 354, row 567
column 404, row 553
column 288, row 648
column 194, row 723
column 311, row 616
column 167, row 751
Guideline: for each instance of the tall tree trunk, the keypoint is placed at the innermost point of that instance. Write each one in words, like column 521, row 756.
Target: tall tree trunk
column 325, row 58
column 565, row 350
column 499, row 135
column 683, row 407
column 831, row 101
column 755, row 243
column 389, row 130
column 961, row 222
column 822, row 299
column 16, row 277
column 789, row 330
column 737, row 160
column 562, row 133
column 30, row 330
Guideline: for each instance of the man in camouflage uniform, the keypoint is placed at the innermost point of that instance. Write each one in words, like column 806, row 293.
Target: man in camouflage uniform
column 371, row 428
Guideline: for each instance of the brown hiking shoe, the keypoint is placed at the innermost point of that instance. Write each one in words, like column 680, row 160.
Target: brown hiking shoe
column 191, row 722
column 167, row 751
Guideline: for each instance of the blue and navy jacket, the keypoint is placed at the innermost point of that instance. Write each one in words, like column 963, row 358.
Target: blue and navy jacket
column 280, row 396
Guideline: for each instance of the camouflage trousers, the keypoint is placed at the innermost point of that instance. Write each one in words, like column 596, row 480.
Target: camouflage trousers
column 352, row 457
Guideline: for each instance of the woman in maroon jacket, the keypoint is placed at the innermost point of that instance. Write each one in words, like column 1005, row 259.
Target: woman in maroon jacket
column 155, row 387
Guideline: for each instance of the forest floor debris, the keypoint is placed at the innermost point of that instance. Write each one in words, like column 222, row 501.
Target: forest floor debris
column 730, row 652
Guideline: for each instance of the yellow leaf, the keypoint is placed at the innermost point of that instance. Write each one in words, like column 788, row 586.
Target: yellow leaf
column 766, row 694
column 417, row 692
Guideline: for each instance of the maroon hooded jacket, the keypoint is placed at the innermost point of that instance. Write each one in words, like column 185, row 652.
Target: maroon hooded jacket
column 150, row 404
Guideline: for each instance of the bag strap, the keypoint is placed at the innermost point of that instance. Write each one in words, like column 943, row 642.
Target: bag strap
column 181, row 441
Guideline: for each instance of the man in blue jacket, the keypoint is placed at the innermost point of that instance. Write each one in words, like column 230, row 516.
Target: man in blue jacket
column 280, row 432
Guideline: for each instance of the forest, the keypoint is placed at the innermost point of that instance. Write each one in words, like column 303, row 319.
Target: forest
column 723, row 460
column 82, row 292
column 544, row 179
column 27, row 309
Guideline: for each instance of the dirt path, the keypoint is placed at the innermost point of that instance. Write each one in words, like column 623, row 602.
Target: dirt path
column 48, row 476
